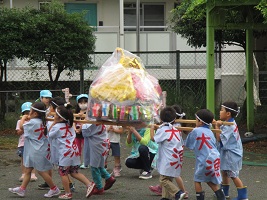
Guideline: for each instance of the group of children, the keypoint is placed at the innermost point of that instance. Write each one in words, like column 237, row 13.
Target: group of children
column 61, row 142
column 54, row 143
column 218, row 158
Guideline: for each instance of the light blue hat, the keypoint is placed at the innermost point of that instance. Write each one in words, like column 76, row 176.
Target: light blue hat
column 26, row 107
column 46, row 93
column 81, row 96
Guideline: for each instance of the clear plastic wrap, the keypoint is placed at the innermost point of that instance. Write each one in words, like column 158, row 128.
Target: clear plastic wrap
column 123, row 91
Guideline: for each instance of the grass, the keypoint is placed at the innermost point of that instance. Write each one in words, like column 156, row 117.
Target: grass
column 8, row 142
column 8, row 137
column 10, row 121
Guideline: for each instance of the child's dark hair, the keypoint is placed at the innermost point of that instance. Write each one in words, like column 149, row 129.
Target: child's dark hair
column 205, row 115
column 78, row 109
column 179, row 111
column 40, row 109
column 168, row 114
column 26, row 112
column 231, row 106
column 66, row 112
column 57, row 101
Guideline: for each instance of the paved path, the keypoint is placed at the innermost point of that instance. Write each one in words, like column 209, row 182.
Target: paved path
column 128, row 186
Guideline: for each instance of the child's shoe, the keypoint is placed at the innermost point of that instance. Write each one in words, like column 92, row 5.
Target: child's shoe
column 97, row 191
column 186, row 195
column 220, row 195
column 72, row 187
column 179, row 195
column 109, row 182
column 116, row 171
column 157, row 189
column 21, row 178
column 242, row 194
column 43, row 186
column 33, row 177
column 83, row 166
column 65, row 196
column 52, row 193
column 18, row 191
column 145, row 175
column 90, row 189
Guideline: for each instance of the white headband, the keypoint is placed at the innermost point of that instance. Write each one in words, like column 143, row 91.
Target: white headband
column 163, row 123
column 237, row 111
column 202, row 120
column 180, row 115
column 54, row 103
column 167, row 123
column 36, row 109
column 60, row 115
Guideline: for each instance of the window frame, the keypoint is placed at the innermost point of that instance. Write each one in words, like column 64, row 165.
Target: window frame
column 142, row 15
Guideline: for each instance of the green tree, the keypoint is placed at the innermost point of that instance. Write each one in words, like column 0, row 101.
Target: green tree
column 262, row 7
column 189, row 20
column 61, row 39
column 12, row 24
column 50, row 35
column 12, row 21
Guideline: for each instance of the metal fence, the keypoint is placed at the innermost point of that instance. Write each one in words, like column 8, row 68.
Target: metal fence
column 181, row 73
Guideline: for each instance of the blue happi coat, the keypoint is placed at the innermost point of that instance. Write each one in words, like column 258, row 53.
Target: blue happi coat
column 96, row 145
column 170, row 150
column 230, row 147
column 64, row 150
column 36, row 147
column 207, row 167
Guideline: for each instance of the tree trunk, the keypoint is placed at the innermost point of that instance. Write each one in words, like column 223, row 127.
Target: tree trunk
column 3, row 95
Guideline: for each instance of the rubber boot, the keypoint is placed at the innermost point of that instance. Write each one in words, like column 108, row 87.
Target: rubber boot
column 200, row 195
column 242, row 194
column 225, row 189
column 220, row 195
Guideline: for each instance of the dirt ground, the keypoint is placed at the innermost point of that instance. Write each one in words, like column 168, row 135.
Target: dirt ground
column 128, row 186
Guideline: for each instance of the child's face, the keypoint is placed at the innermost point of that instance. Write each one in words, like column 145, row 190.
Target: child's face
column 33, row 114
column 46, row 101
column 224, row 115
column 57, row 118
column 198, row 123
column 51, row 108
column 83, row 104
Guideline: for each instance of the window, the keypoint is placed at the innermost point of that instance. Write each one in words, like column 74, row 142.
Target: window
column 150, row 15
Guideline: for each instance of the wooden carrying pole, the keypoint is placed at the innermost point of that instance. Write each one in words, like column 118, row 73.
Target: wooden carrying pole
column 182, row 121
column 138, row 124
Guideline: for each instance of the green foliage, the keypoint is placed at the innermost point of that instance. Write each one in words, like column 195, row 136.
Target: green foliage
column 10, row 122
column 11, row 38
column 263, row 8
column 189, row 20
column 62, row 40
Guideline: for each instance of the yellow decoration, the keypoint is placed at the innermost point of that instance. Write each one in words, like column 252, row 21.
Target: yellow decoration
column 116, row 85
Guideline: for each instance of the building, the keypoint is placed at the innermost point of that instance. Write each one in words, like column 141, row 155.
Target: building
column 115, row 22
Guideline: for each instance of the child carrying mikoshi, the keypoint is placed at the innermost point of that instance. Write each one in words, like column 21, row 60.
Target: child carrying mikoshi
column 207, row 168
column 231, row 150
column 157, row 189
column 36, row 150
column 54, row 103
column 170, row 154
column 96, row 145
column 66, row 153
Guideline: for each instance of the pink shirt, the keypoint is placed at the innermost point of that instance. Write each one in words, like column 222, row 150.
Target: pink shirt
column 21, row 138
